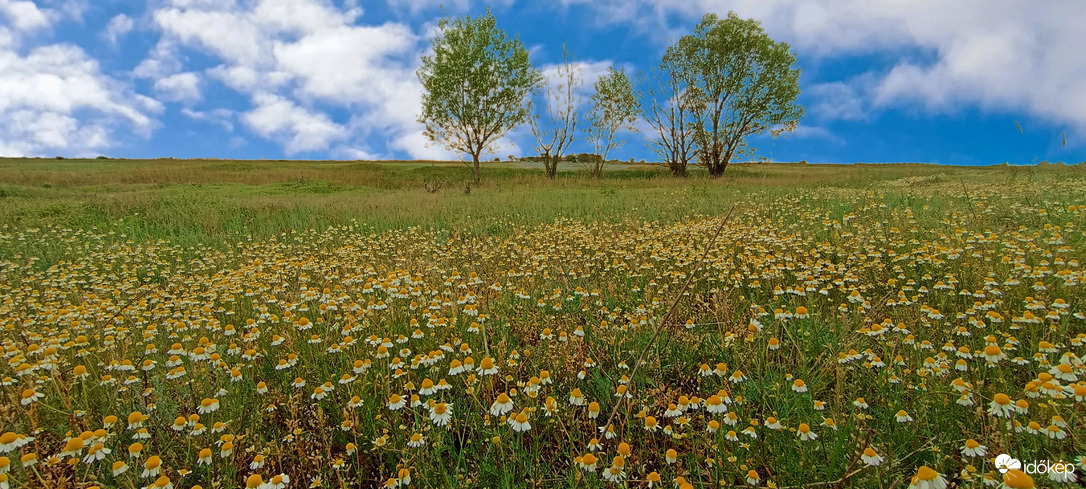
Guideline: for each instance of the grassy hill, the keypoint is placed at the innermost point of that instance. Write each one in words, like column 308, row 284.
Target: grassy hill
column 197, row 201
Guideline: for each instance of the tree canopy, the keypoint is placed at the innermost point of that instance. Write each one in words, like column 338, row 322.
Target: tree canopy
column 614, row 108
column 475, row 83
column 744, row 83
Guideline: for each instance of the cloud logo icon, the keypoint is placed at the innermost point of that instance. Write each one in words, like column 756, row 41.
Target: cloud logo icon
column 1005, row 462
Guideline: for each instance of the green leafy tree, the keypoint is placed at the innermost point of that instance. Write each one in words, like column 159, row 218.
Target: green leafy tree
column 614, row 108
column 746, row 84
column 476, row 82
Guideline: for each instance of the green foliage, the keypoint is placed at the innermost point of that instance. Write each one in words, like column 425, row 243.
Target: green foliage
column 614, row 108
column 744, row 84
column 475, row 82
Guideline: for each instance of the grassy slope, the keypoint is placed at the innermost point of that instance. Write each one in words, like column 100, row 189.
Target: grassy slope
column 202, row 201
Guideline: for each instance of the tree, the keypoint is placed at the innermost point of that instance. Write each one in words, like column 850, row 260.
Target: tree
column 745, row 82
column 476, row 81
column 554, row 118
column 614, row 108
column 671, row 116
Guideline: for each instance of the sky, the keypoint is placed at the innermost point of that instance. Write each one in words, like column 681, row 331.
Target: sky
column 882, row 81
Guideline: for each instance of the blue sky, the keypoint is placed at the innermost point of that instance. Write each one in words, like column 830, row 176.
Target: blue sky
column 918, row 81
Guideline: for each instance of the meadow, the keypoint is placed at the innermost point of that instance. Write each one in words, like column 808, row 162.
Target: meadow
column 265, row 324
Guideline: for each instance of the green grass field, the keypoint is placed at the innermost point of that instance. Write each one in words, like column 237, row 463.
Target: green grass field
column 204, row 201
column 265, row 324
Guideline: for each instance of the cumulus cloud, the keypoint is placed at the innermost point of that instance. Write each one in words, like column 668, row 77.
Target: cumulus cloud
column 300, row 129
column 299, row 59
column 117, row 27
column 995, row 54
column 804, row 131
column 587, row 71
column 56, row 98
column 162, row 62
column 181, row 87
column 221, row 117
column 24, row 15
column 840, row 100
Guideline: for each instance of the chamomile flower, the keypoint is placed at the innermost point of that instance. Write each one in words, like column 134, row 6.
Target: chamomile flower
column 1017, row 479
column 502, row 405
column 520, row 423
column 616, row 472
column 441, row 413
column 576, row 398
column 1001, row 406
column 973, row 448
column 207, row 406
column 152, row 466
column 588, row 462
column 396, row 402
column 753, row 478
column 926, row 478
column 871, row 457
column 804, row 432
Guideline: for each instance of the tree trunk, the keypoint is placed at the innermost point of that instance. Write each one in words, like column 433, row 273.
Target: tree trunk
column 717, row 170
column 475, row 162
column 678, row 169
column 598, row 164
column 550, row 163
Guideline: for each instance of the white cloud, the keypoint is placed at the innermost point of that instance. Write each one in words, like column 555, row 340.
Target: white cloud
column 301, row 59
column 353, row 153
column 24, row 15
column 840, row 100
column 117, row 27
column 419, row 146
column 74, row 10
column 56, row 99
column 162, row 62
column 588, row 71
column 182, row 87
column 296, row 127
column 339, row 63
column 995, row 54
column 229, row 34
column 221, row 117
column 804, row 131
column 301, row 17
